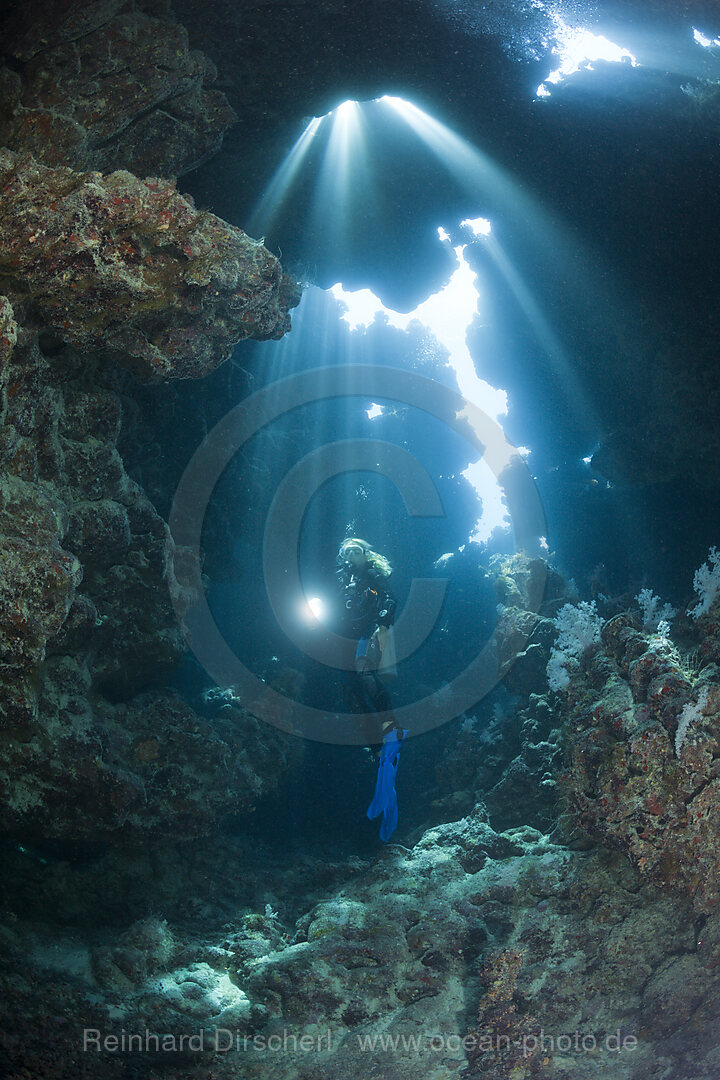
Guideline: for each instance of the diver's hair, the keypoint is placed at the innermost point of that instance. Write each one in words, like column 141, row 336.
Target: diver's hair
column 374, row 558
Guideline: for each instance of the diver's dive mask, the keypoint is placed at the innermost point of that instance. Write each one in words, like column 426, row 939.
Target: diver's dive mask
column 346, row 550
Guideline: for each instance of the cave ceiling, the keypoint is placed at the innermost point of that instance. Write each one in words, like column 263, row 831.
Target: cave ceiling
column 612, row 163
column 625, row 163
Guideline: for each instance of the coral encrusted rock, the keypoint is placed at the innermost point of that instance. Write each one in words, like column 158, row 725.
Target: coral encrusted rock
column 105, row 86
column 131, row 266
column 153, row 768
column 635, row 782
column 86, row 623
column 8, row 338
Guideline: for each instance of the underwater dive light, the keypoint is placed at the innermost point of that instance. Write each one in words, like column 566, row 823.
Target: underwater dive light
column 315, row 607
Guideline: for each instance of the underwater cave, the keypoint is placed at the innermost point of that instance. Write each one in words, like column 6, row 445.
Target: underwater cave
column 360, row 563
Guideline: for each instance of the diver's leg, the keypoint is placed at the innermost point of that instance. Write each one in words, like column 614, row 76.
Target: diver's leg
column 379, row 701
column 353, row 698
column 372, row 689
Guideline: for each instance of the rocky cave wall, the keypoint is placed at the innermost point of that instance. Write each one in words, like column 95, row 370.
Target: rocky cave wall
column 106, row 271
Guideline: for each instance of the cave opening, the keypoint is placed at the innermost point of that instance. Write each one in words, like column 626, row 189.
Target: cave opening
column 397, row 209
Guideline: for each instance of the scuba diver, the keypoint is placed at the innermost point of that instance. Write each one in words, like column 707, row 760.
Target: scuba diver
column 369, row 613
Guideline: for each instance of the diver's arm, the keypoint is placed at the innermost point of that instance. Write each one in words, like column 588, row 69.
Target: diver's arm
column 386, row 610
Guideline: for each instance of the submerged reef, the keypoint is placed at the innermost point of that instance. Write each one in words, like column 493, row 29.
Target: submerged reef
column 644, row 759
column 501, row 954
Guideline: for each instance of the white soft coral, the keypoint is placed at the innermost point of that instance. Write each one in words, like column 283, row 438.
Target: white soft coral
column 578, row 628
column 706, row 584
column 690, row 714
column 653, row 614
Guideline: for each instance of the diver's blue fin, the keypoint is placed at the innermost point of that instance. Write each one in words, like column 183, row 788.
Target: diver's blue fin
column 385, row 798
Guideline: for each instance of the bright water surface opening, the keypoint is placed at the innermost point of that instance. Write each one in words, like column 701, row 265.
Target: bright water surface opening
column 343, row 156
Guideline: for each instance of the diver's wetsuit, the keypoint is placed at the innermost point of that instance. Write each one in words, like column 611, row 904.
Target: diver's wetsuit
column 369, row 603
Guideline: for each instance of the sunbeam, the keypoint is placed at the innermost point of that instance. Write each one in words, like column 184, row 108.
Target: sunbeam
column 279, row 187
column 346, row 176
